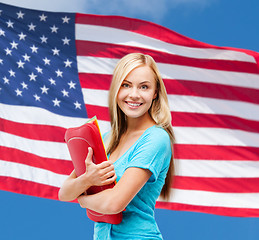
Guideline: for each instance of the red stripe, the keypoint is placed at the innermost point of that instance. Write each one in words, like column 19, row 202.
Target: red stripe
column 55, row 165
column 224, row 211
column 102, row 113
column 182, row 87
column 142, row 27
column 95, row 81
column 151, row 30
column 33, row 131
column 185, row 119
column 211, row 90
column 29, row 188
column 139, row 26
column 45, row 191
column 108, row 50
column 227, row 185
column 209, row 152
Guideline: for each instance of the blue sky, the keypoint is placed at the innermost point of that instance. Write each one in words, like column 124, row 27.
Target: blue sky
column 219, row 22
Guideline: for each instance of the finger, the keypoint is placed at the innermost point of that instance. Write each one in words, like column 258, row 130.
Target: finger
column 89, row 156
column 105, row 164
column 107, row 169
column 109, row 180
column 110, row 174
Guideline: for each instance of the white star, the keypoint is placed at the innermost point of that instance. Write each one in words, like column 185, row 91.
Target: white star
column 6, row 80
column 32, row 77
column 44, row 89
column 68, row 63
column 71, row 85
column 32, row 27
column 34, row 49
column 43, row 17
column 2, row 32
column 18, row 92
column 20, row 15
column 1, row 61
column 55, row 51
column 14, row 44
column 20, row 64
column 43, row 39
column 65, row 93
column 39, row 70
column 1, row 12
column 52, row 81
column 54, row 29
column 56, row 102
column 8, row 51
column 22, row 36
column 24, row 85
column 66, row 41
column 10, row 24
column 37, row 98
column 77, row 105
column 65, row 19
column 26, row 57
column 46, row 61
column 59, row 73
column 12, row 73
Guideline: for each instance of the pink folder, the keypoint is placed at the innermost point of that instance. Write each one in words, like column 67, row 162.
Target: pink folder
column 78, row 140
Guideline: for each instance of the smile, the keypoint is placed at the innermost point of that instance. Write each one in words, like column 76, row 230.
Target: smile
column 131, row 104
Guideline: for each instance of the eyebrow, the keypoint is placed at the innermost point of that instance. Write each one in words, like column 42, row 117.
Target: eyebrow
column 139, row 83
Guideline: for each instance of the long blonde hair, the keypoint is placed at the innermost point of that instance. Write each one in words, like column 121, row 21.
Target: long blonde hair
column 159, row 110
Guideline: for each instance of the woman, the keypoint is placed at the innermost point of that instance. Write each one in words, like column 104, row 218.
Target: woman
column 139, row 148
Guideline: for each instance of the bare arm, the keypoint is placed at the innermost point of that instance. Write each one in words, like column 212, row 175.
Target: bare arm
column 115, row 200
column 97, row 175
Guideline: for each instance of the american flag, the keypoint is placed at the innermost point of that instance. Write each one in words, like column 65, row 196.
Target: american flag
column 55, row 73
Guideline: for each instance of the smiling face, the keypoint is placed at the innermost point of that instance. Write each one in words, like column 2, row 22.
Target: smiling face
column 137, row 92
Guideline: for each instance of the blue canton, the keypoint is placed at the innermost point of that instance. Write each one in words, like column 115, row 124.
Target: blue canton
column 38, row 61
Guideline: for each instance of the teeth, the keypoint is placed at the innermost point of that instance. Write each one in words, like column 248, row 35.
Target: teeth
column 134, row 104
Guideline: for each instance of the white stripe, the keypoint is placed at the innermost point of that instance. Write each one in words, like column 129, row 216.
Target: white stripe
column 217, row 168
column 24, row 114
column 212, row 199
column 127, row 38
column 191, row 104
column 184, row 135
column 41, row 148
column 96, row 65
column 205, row 105
column 33, row 174
column 95, row 97
column 99, row 65
column 215, row 136
column 34, row 115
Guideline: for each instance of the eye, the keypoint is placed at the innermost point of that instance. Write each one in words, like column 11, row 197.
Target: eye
column 144, row 87
column 125, row 85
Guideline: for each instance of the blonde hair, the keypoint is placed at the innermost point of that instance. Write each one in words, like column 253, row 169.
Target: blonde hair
column 159, row 111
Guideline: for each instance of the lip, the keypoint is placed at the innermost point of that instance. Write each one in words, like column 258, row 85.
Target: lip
column 133, row 104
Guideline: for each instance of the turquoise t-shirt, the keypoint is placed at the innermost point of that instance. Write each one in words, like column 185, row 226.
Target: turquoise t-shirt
column 151, row 151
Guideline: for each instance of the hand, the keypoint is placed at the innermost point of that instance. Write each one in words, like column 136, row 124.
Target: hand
column 98, row 174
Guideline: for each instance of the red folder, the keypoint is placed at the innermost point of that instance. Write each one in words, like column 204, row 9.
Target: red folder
column 78, row 140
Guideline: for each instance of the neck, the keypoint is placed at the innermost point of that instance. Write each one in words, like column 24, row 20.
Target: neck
column 140, row 124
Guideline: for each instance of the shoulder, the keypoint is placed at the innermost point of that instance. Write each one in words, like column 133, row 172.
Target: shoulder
column 155, row 139
column 157, row 134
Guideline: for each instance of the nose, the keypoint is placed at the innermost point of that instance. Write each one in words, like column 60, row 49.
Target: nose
column 134, row 93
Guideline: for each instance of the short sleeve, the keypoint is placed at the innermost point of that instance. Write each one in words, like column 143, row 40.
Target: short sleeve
column 152, row 152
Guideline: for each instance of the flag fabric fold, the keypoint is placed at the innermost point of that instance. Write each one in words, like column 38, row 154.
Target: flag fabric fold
column 56, row 69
